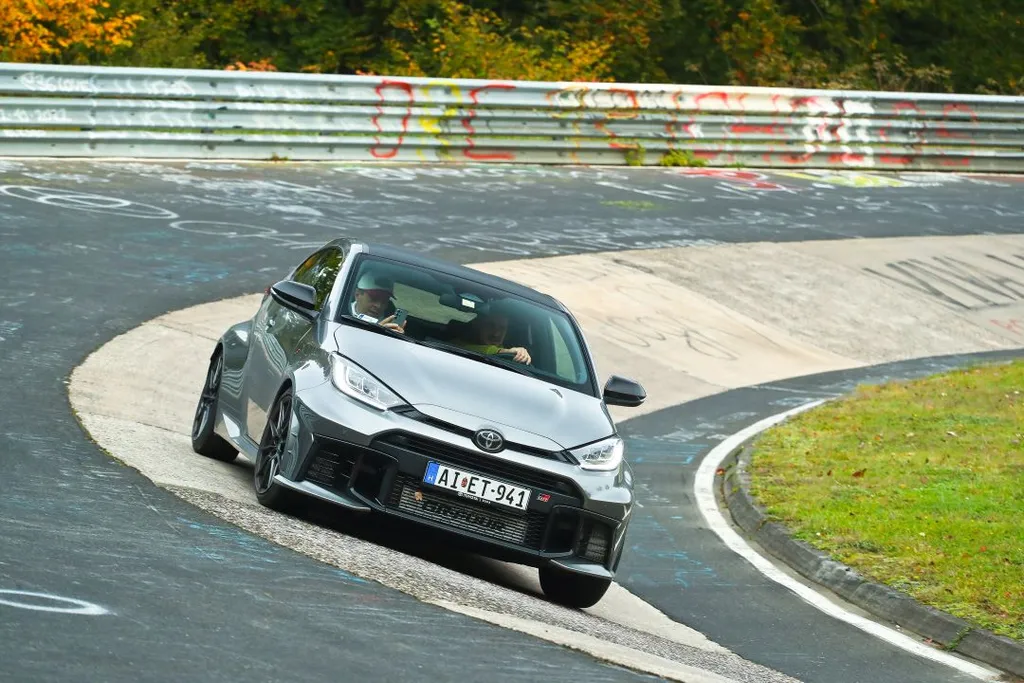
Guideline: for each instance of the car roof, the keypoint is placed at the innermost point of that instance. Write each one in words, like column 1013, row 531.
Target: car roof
column 415, row 258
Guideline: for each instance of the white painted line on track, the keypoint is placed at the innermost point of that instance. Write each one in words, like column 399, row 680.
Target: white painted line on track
column 36, row 602
column 704, row 490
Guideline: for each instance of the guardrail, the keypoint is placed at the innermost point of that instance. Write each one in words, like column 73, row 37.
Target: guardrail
column 69, row 111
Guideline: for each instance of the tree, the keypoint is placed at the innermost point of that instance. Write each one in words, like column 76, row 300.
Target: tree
column 62, row 30
column 450, row 39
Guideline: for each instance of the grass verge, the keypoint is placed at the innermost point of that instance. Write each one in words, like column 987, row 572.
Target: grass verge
column 918, row 485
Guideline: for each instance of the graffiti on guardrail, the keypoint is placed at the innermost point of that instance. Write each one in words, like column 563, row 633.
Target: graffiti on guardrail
column 35, row 116
column 99, row 112
column 389, row 149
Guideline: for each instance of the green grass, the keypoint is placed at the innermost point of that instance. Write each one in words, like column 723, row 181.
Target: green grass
column 918, row 485
column 641, row 205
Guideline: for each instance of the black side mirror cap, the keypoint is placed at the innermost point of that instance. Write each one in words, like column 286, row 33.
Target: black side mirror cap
column 296, row 296
column 621, row 391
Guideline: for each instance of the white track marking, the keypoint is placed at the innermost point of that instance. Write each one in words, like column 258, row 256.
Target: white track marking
column 704, row 490
column 77, row 606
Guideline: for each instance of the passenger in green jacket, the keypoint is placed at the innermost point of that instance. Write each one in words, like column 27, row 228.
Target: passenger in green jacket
column 486, row 334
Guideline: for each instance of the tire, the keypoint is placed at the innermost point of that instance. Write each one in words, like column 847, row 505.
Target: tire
column 571, row 589
column 268, row 458
column 204, row 440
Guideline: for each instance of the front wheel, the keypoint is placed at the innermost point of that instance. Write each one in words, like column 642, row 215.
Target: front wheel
column 268, row 458
column 204, row 440
column 571, row 589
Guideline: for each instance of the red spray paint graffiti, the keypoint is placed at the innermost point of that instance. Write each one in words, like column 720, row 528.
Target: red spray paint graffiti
column 722, row 97
column 900, row 107
column 747, row 128
column 467, row 123
column 406, row 89
column 959, row 107
column 750, row 179
column 846, row 158
column 1014, row 325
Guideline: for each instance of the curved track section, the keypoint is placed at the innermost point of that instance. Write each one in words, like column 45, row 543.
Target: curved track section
column 94, row 249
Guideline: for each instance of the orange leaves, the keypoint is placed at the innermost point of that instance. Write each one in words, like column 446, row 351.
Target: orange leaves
column 46, row 30
column 259, row 65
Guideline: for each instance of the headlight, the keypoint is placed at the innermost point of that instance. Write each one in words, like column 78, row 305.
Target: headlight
column 361, row 385
column 603, row 455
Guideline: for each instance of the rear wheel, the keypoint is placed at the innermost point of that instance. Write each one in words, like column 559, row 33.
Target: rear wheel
column 204, row 440
column 268, row 457
column 571, row 589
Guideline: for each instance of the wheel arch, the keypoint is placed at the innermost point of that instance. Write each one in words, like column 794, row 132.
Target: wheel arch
column 234, row 343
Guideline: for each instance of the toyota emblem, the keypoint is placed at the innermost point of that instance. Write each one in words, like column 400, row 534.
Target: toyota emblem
column 489, row 440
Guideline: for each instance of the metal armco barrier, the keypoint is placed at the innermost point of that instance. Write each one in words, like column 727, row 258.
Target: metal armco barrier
column 62, row 111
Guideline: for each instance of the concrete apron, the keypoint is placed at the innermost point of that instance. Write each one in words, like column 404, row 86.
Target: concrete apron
column 685, row 322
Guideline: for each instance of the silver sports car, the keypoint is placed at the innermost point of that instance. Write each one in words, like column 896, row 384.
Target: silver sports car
column 387, row 382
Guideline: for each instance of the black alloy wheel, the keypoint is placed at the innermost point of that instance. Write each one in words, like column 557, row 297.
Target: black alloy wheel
column 204, row 440
column 268, row 458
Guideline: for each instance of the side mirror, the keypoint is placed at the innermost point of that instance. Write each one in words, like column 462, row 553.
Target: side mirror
column 619, row 391
column 296, row 296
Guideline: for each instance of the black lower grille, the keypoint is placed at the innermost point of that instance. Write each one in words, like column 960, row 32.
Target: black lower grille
column 331, row 466
column 479, row 462
column 594, row 539
column 410, row 495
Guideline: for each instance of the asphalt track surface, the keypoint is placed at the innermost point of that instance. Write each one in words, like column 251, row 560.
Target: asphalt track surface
column 90, row 250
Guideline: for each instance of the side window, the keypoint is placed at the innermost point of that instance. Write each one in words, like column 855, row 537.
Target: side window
column 302, row 273
column 326, row 275
column 320, row 271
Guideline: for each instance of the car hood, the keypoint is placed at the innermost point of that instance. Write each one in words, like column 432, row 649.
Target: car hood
column 474, row 395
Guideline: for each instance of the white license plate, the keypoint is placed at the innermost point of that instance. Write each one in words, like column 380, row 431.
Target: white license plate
column 473, row 485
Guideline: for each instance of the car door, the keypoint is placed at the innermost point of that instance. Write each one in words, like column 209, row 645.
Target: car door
column 284, row 338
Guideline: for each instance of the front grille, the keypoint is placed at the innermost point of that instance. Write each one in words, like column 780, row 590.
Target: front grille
column 488, row 520
column 412, row 413
column 481, row 463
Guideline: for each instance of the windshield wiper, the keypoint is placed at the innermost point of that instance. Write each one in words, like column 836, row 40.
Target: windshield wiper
column 465, row 353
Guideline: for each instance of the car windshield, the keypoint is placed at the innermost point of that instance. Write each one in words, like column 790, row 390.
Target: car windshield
column 456, row 315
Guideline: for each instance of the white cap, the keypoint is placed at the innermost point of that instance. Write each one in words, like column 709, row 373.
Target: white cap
column 371, row 281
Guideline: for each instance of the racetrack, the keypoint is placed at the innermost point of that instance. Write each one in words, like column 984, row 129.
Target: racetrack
column 84, row 268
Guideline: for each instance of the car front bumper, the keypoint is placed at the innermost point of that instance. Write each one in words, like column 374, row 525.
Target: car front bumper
column 370, row 460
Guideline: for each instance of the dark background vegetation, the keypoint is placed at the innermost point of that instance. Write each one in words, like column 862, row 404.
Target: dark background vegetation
column 914, row 45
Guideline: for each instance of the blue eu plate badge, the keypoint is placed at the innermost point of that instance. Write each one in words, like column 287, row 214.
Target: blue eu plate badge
column 431, row 476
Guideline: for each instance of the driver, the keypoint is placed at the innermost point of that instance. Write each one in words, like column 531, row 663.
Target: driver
column 486, row 335
column 373, row 299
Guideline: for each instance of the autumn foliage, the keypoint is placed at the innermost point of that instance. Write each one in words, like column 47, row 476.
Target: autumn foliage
column 918, row 45
column 53, row 30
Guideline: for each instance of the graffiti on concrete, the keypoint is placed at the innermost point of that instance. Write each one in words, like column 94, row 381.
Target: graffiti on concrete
column 965, row 285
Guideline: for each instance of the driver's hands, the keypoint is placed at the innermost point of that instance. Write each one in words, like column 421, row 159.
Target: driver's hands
column 389, row 322
column 522, row 355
